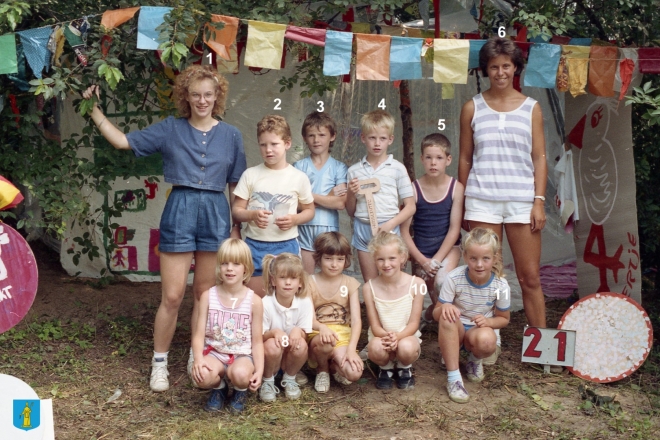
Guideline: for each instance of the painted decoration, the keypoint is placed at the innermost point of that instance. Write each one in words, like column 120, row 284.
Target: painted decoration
column 22, row 415
column 614, row 336
column 18, row 277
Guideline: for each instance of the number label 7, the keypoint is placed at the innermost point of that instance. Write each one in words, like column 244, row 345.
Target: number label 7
column 548, row 346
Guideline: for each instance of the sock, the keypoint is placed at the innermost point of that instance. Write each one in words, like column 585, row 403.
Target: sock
column 287, row 377
column 221, row 385
column 453, row 376
column 160, row 357
column 404, row 367
column 388, row 366
column 473, row 358
column 269, row 379
column 499, row 340
column 240, row 390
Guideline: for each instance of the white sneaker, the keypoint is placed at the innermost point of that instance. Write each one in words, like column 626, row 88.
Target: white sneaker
column 364, row 354
column 457, row 392
column 475, row 371
column 322, row 383
column 490, row 360
column 268, row 391
column 341, row 379
column 301, row 378
column 291, row 389
column 159, row 373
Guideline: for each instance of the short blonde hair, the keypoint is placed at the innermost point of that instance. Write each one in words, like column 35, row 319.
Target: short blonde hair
column 288, row 265
column 385, row 239
column 377, row 118
column 233, row 250
column 485, row 237
column 274, row 124
column 192, row 75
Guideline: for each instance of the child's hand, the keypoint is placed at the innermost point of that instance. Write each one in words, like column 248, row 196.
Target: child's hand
column 199, row 370
column 327, row 335
column 297, row 342
column 353, row 360
column 339, row 190
column 255, row 382
column 285, row 223
column 354, row 186
column 261, row 217
column 449, row 312
column 386, row 227
column 480, row 321
column 431, row 267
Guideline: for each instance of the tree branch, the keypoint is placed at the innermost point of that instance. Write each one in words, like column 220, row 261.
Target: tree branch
column 593, row 19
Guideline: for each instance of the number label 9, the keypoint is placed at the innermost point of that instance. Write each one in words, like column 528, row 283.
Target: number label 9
column 344, row 291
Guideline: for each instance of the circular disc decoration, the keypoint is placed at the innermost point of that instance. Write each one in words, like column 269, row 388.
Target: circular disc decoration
column 18, row 277
column 614, row 336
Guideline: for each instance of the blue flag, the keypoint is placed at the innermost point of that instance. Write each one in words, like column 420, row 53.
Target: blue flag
column 475, row 48
column 8, row 59
column 150, row 18
column 542, row 66
column 338, row 47
column 405, row 58
column 35, row 46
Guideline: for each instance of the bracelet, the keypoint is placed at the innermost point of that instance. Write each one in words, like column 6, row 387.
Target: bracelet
column 540, row 197
column 102, row 122
column 237, row 225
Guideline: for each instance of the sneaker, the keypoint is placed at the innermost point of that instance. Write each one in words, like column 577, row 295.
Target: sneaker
column 475, row 371
column 322, row 382
column 457, row 392
column 341, row 379
column 384, row 381
column 159, row 381
column 490, row 360
column 556, row 369
column 237, row 403
column 216, row 399
column 301, row 378
column 405, row 379
column 268, row 391
column 364, row 354
column 291, row 389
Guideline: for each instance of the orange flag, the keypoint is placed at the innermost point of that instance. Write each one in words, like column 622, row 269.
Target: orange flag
column 373, row 57
column 602, row 69
column 223, row 38
column 117, row 17
column 10, row 196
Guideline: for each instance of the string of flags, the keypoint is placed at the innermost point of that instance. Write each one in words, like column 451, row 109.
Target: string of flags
column 570, row 65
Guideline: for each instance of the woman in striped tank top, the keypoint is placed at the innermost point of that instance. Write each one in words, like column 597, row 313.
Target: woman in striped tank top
column 503, row 167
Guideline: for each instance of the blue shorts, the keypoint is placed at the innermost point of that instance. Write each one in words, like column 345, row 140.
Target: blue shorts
column 308, row 233
column 260, row 249
column 194, row 220
column 362, row 235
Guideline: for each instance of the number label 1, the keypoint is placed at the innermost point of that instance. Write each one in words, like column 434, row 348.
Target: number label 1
column 381, row 104
column 344, row 291
column 210, row 57
column 278, row 103
column 441, row 124
column 548, row 346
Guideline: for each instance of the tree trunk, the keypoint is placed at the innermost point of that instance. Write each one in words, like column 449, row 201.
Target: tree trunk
column 406, row 119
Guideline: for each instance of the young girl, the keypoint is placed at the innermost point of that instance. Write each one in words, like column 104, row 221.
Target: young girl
column 474, row 301
column 288, row 317
column 227, row 340
column 337, row 324
column 394, row 303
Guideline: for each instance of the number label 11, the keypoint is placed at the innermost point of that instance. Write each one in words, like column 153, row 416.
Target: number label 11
column 548, row 346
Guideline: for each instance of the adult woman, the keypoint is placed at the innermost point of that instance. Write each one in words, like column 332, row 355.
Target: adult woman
column 503, row 167
column 201, row 156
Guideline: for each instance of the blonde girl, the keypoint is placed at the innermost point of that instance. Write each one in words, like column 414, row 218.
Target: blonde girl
column 337, row 322
column 227, row 340
column 473, row 302
column 288, row 318
column 394, row 302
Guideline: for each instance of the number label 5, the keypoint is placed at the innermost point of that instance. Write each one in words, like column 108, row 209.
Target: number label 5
column 548, row 346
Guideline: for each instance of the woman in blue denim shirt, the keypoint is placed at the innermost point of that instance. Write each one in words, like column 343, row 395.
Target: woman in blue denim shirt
column 201, row 156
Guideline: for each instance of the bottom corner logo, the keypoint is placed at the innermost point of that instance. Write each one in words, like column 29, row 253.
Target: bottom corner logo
column 27, row 414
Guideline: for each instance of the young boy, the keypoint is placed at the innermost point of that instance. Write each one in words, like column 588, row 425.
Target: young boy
column 436, row 224
column 267, row 197
column 395, row 188
column 328, row 178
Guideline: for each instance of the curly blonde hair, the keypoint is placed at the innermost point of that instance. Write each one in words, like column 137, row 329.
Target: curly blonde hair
column 274, row 124
column 192, row 75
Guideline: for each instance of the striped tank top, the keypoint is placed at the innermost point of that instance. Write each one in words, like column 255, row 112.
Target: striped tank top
column 394, row 314
column 502, row 168
column 229, row 329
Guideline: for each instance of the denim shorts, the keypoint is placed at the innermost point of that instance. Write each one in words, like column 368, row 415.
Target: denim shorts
column 308, row 233
column 260, row 249
column 194, row 220
column 362, row 235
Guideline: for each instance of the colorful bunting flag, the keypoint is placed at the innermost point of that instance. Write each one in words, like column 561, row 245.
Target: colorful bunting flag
column 406, row 58
column 35, row 45
column 230, row 65
column 542, row 66
column 475, row 47
column 10, row 196
column 149, row 19
column 224, row 38
column 8, row 61
column 337, row 57
column 265, row 44
column 361, row 28
column 311, row 36
column 649, row 59
column 626, row 71
column 373, row 57
column 76, row 34
column 577, row 62
column 580, row 42
column 56, row 44
column 113, row 18
column 602, row 69
column 450, row 61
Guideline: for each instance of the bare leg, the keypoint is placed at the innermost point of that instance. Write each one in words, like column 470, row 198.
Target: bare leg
column 174, row 268
column 294, row 356
column 408, row 350
column 240, row 372
column 204, row 279
column 450, row 337
column 481, row 342
column 347, row 369
column 272, row 358
column 257, row 284
column 448, row 264
column 308, row 261
column 214, row 375
column 367, row 266
column 321, row 353
column 377, row 353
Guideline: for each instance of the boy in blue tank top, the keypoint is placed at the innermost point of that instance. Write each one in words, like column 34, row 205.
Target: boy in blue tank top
column 436, row 224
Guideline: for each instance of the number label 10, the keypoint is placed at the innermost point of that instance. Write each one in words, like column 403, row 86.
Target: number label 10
column 548, row 346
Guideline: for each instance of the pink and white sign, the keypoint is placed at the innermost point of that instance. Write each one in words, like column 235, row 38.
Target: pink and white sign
column 18, row 277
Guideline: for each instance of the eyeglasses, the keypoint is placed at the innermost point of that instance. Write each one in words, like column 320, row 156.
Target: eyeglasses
column 197, row 97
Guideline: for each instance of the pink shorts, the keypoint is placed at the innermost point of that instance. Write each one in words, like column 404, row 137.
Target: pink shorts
column 496, row 213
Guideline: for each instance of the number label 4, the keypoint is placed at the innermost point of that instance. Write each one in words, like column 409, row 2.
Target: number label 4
column 548, row 346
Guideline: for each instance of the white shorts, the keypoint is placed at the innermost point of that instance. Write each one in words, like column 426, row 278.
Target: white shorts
column 496, row 213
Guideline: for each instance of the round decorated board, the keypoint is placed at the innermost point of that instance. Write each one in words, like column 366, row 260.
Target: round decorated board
column 18, row 277
column 614, row 336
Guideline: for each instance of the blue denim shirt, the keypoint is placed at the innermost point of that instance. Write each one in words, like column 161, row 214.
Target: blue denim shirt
column 205, row 160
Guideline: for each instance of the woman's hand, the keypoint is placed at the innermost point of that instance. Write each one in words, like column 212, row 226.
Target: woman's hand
column 91, row 91
column 537, row 217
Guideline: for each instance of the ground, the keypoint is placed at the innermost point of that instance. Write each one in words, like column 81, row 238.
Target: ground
column 88, row 348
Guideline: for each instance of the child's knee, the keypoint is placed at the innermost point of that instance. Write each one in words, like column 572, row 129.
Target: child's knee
column 408, row 350
column 271, row 350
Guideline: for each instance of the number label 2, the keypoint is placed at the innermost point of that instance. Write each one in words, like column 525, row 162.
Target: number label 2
column 548, row 346
column 278, row 103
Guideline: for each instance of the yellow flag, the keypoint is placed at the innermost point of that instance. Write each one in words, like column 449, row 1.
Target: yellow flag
column 265, row 44
column 577, row 61
column 450, row 61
